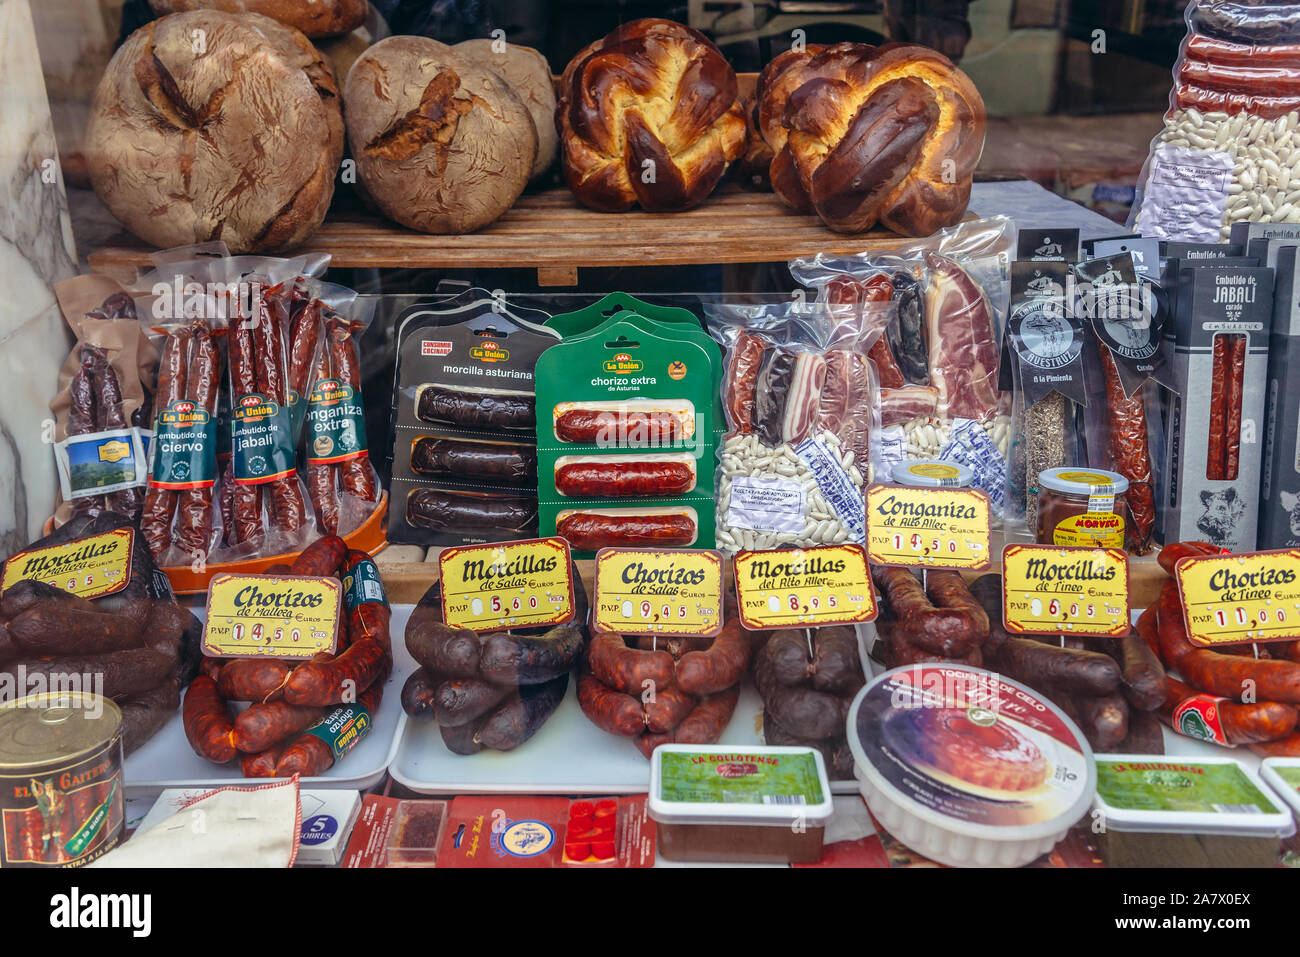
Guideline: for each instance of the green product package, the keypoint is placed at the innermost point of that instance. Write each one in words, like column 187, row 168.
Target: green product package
column 625, row 365
column 1166, row 784
column 738, row 777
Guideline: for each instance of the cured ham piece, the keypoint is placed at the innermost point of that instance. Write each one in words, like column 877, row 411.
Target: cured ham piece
column 845, row 406
column 963, row 342
column 743, row 362
column 804, row 398
column 902, row 405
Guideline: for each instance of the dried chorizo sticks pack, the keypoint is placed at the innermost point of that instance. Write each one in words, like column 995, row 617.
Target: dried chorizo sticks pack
column 103, row 405
column 1220, row 365
column 326, row 325
column 1128, row 374
column 464, row 459
column 938, row 362
column 625, row 435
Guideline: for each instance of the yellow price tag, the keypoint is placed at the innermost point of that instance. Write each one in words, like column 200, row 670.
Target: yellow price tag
column 1231, row 599
column 641, row 591
column 273, row 616
column 928, row 527
column 804, row 587
column 88, row 567
column 508, row 585
column 1055, row 590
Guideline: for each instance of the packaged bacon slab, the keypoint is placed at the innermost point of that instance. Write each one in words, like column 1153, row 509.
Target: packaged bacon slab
column 938, row 362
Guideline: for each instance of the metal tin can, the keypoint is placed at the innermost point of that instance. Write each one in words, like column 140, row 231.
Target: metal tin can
column 60, row 779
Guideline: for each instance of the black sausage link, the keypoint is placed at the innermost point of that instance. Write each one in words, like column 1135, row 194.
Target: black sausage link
column 499, row 460
column 522, row 715
column 471, row 514
column 1077, row 671
column 476, row 410
column 462, row 700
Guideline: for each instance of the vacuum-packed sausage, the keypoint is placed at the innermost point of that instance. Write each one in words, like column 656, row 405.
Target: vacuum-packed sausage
column 476, row 410
column 1130, row 453
column 589, row 531
column 743, row 361
column 202, row 384
column 160, row 503
column 623, row 478
column 509, row 462
column 619, row 427
column 356, row 475
column 1232, row 401
column 207, row 722
column 471, row 514
column 520, row 716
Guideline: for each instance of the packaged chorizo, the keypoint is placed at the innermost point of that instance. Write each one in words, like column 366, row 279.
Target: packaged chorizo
column 799, row 392
column 1129, row 378
column 626, row 436
column 326, row 325
column 1233, row 111
column 1214, row 455
column 938, row 362
column 464, row 458
column 102, row 410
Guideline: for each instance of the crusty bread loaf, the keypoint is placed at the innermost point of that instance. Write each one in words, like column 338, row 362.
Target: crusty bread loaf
column 316, row 18
column 442, row 145
column 869, row 135
column 529, row 75
column 649, row 114
column 213, row 125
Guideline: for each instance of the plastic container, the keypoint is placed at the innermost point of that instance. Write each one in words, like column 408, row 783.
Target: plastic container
column 932, row 473
column 1081, row 506
column 966, row 767
column 416, row 833
column 753, row 805
column 1196, row 812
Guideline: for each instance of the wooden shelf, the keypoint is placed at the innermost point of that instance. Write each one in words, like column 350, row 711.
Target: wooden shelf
column 551, row 232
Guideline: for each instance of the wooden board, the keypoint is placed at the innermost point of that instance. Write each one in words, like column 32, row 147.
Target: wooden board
column 406, row 582
column 551, row 232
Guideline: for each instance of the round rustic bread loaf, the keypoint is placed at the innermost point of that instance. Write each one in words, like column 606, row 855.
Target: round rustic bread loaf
column 442, row 145
column 216, row 126
column 316, row 18
column 649, row 114
column 529, row 75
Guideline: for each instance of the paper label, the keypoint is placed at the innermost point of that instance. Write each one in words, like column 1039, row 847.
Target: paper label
column 890, row 447
column 641, row 591
column 928, row 527
column 738, row 777
column 184, row 448
column 969, row 445
column 1097, row 528
column 88, row 567
column 1186, row 194
column 343, row 728
column 1168, row 784
column 762, row 505
column 336, row 423
column 844, row 497
column 100, row 463
column 273, row 616
column 1199, row 717
column 262, row 440
column 1051, row 590
column 804, row 587
column 1232, row 599
column 508, row 585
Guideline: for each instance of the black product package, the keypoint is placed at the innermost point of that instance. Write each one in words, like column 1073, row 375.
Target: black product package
column 1279, row 506
column 1214, row 455
column 464, row 464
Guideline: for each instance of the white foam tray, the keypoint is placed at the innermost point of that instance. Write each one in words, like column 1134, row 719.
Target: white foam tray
column 167, row 761
column 569, row 755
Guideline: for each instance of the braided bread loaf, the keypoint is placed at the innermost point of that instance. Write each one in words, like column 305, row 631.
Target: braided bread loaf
column 648, row 115
column 865, row 134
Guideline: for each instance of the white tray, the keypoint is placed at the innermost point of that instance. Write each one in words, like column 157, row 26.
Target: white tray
column 569, row 755
column 167, row 761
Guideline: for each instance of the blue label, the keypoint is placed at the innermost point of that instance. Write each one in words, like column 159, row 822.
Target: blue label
column 318, row 829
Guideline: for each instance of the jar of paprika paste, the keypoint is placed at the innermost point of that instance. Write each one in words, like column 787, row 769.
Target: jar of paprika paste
column 1081, row 506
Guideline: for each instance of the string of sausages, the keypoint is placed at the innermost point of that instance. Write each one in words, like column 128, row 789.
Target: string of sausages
column 272, row 737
